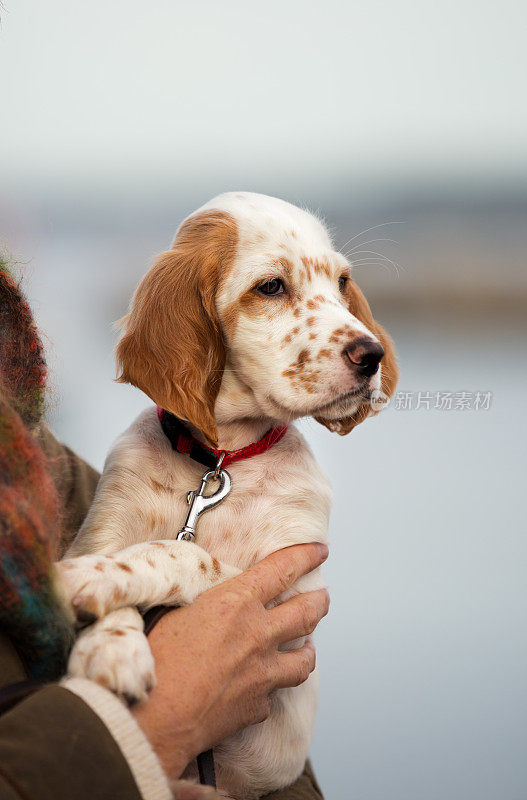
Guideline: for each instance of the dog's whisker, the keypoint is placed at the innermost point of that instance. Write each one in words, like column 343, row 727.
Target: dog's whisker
column 384, row 258
column 367, row 230
column 373, row 263
column 371, row 241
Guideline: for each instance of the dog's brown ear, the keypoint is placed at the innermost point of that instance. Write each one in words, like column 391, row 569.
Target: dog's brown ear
column 359, row 307
column 172, row 347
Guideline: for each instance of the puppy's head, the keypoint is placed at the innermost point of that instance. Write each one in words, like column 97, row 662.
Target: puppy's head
column 253, row 299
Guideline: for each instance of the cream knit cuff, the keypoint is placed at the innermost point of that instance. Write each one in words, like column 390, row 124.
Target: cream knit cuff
column 144, row 766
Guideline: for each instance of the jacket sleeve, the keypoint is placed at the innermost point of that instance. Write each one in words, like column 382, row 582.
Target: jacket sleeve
column 53, row 746
column 74, row 740
column 75, row 481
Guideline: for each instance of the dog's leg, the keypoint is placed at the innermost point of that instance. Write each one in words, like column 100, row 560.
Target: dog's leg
column 114, row 652
column 143, row 575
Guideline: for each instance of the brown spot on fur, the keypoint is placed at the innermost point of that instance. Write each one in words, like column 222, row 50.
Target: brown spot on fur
column 293, row 234
column 310, row 377
column 124, row 567
column 307, row 267
column 173, row 556
column 312, row 335
column 311, row 304
column 99, row 567
column 297, row 311
column 297, row 366
column 150, row 562
column 103, row 680
column 288, row 338
column 118, row 595
column 303, row 357
column 202, row 566
column 295, row 331
column 322, row 268
column 216, row 567
column 325, row 353
column 152, row 520
column 310, row 321
column 158, row 487
column 320, row 298
column 158, row 544
column 118, row 632
column 229, row 318
column 338, row 333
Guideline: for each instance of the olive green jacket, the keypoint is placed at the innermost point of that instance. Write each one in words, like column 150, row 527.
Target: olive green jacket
column 53, row 746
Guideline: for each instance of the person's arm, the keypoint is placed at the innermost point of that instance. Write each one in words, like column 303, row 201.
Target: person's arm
column 51, row 740
column 56, row 745
column 75, row 481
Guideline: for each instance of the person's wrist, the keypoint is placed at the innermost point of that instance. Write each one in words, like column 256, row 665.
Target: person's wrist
column 174, row 743
column 172, row 749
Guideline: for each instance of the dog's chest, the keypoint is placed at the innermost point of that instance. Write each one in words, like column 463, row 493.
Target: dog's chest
column 273, row 503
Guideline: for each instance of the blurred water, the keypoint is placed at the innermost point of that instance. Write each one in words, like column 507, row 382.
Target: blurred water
column 423, row 656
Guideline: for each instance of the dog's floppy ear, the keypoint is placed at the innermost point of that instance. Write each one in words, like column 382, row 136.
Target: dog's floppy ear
column 172, row 347
column 358, row 306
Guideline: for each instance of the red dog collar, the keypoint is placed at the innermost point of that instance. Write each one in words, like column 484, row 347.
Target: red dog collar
column 183, row 441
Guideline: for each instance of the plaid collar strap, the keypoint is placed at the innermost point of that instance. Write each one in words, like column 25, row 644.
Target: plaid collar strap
column 183, row 441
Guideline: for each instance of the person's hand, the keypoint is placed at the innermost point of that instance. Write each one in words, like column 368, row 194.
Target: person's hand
column 217, row 660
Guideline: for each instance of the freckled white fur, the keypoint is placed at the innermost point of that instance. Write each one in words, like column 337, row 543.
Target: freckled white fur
column 278, row 498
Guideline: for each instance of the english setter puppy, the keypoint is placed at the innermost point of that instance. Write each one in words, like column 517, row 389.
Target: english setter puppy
column 249, row 321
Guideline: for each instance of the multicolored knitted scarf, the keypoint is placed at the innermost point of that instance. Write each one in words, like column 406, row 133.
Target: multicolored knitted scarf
column 30, row 614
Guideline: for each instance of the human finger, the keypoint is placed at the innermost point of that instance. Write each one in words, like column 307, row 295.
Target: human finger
column 278, row 571
column 295, row 666
column 298, row 616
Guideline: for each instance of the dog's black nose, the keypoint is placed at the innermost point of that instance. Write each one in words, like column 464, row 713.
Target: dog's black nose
column 365, row 354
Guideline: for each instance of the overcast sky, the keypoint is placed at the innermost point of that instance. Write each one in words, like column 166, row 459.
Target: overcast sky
column 127, row 89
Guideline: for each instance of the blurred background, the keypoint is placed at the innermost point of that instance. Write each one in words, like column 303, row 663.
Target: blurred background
column 404, row 124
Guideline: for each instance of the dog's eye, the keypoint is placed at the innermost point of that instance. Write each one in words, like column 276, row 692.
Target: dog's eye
column 342, row 282
column 271, row 286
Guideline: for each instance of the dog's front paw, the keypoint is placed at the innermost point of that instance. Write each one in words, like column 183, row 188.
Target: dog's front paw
column 114, row 652
column 91, row 586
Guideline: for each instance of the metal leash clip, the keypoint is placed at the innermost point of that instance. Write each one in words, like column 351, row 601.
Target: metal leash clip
column 199, row 502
